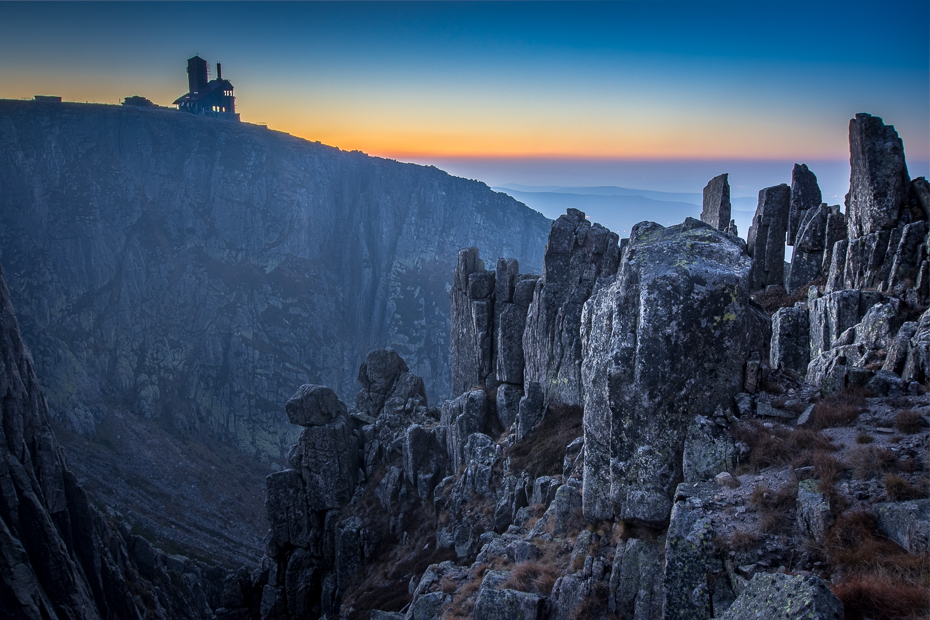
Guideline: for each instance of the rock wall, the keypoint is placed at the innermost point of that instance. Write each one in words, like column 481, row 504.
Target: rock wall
column 197, row 272
column 60, row 557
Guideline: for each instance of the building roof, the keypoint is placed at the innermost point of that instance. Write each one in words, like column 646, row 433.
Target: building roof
column 212, row 86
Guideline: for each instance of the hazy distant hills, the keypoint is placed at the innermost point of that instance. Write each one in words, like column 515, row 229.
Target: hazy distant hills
column 619, row 208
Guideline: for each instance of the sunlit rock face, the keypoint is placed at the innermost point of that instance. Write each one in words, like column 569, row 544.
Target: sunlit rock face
column 197, row 272
column 663, row 345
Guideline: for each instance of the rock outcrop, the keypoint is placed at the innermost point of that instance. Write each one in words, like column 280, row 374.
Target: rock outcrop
column 666, row 341
column 766, row 239
column 579, row 254
column 805, row 195
column 716, row 207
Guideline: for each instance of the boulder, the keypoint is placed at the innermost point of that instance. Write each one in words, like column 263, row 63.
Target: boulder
column 429, row 606
column 494, row 604
column 775, row 596
column 906, row 523
column 288, row 512
column 790, row 346
column 531, row 409
column 917, row 365
column 716, row 209
column 836, row 312
column 805, row 195
column 578, row 254
column 766, row 238
column 314, row 405
column 897, row 352
column 508, row 404
column 377, row 374
column 878, row 179
column 814, row 515
column 668, row 339
column 462, row 417
column 689, row 557
column 835, row 232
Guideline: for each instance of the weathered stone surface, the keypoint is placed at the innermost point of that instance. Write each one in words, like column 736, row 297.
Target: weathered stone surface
column 508, row 404
column 378, row 374
column 766, row 238
column 897, row 352
column 531, row 409
column 424, row 459
column 775, row 596
column 471, row 324
column 790, row 339
column 906, row 523
column 835, row 232
column 688, row 563
column 506, row 279
column 565, row 505
column 805, row 195
column 60, row 558
column 494, row 604
column 636, row 579
column 917, row 365
column 878, row 179
column 462, row 417
column 327, row 458
column 429, row 606
column 314, row 405
column 834, row 313
column 809, row 247
column 879, row 325
column 668, row 339
column 716, row 208
column 708, row 449
column 288, row 512
column 814, row 515
column 577, row 255
column 509, row 342
column 910, row 252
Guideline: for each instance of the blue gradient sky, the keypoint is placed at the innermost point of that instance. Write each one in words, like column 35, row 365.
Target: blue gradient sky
column 494, row 87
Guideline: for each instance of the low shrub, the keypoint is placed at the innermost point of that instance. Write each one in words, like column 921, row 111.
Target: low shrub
column 908, row 422
column 541, row 452
column 899, row 489
column 863, row 438
column 841, row 408
column 880, row 597
column 737, row 540
column 776, row 507
column 870, row 461
column 537, row 577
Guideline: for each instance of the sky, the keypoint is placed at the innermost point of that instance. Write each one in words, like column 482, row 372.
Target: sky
column 662, row 92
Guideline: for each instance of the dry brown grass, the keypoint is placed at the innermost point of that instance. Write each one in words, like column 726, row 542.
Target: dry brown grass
column 870, row 461
column 899, row 489
column 856, row 545
column 879, row 597
column 776, row 299
column 541, row 452
column 779, row 446
column 594, row 604
column 532, row 576
column 463, row 603
column 908, row 422
column 776, row 507
column 840, row 408
column 737, row 540
column 863, row 438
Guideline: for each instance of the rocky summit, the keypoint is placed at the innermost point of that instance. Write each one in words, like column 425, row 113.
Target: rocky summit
column 675, row 426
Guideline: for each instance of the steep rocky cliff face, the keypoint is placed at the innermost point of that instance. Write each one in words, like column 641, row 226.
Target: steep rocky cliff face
column 60, row 557
column 195, row 272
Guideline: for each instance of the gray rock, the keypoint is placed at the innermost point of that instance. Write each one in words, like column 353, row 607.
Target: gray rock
column 906, row 523
column 897, row 352
column 531, row 409
column 471, row 327
column 878, row 179
column 505, row 279
column 775, row 596
column 688, row 563
column 577, row 255
column 708, row 450
column 544, row 490
column 508, row 404
column 814, row 515
column 810, row 245
column 917, row 365
column 667, row 340
column 880, row 325
column 886, row 383
column 377, row 614
column 805, row 195
column 636, row 579
column 429, row 606
column 568, row 596
column 558, row 517
column 836, row 312
column 791, row 334
column 716, row 208
column 835, row 232
column 314, row 405
column 327, row 458
column 766, row 238
column 493, row 604
column 288, row 512
column 524, row 290
column 910, row 252
column 462, row 417
column 509, row 341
